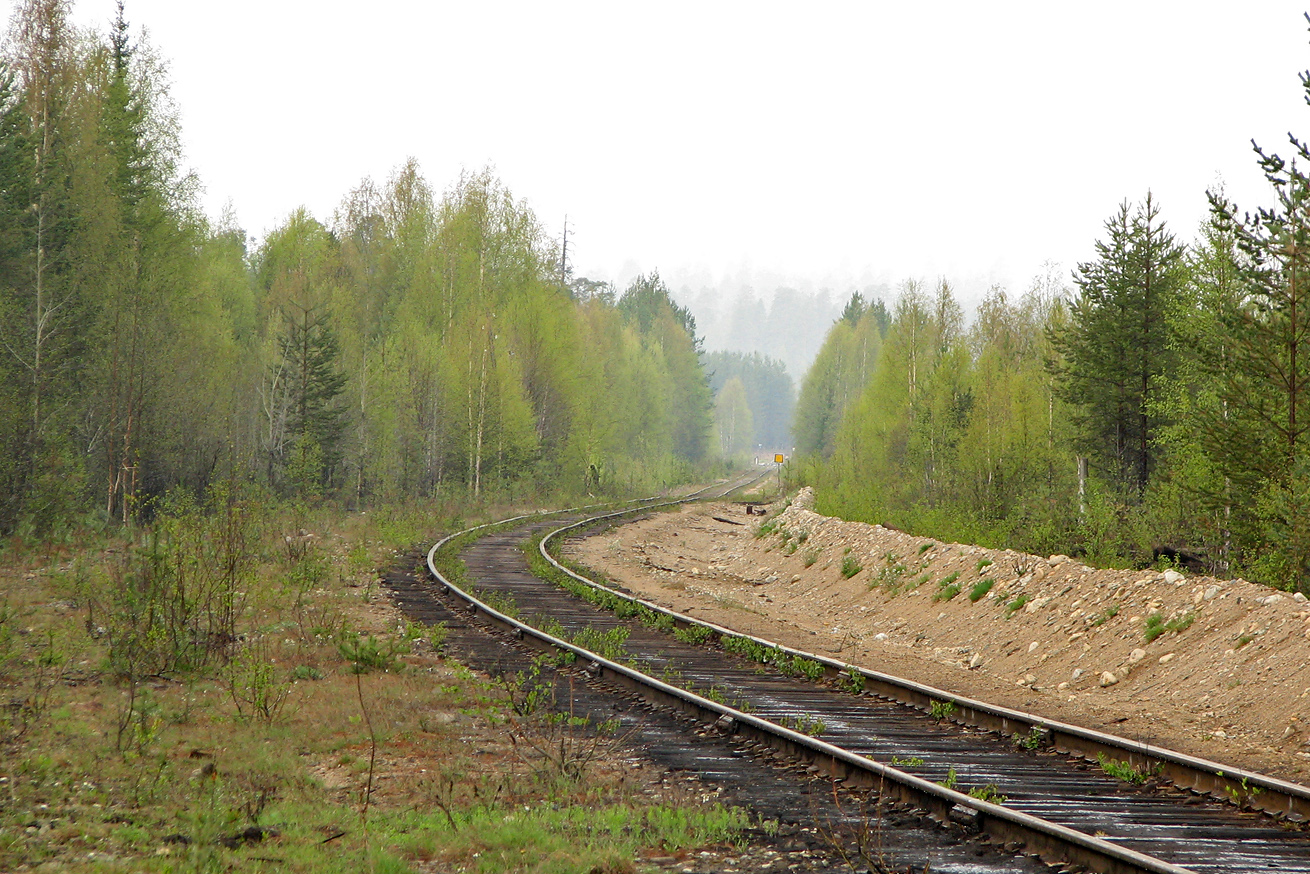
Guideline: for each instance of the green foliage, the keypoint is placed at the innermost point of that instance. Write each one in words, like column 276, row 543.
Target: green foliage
column 252, row 684
column 889, row 576
column 850, row 566
column 366, row 653
column 988, row 793
column 1124, row 771
column 1017, row 604
column 1156, row 625
column 1034, row 739
column 1117, row 350
column 172, row 601
column 609, row 644
column 980, row 589
column 941, row 710
column 796, row 666
column 946, row 592
column 767, row 391
column 804, row 723
column 415, row 345
column 694, row 634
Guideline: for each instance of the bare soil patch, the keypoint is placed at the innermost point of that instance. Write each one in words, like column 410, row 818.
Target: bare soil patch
column 1215, row 668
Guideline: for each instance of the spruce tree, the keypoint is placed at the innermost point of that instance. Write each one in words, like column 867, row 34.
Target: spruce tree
column 315, row 420
column 1116, row 350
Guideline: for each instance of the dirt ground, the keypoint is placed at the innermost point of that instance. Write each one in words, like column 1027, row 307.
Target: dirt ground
column 1228, row 680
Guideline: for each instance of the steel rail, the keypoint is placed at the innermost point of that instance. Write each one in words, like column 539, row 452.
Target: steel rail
column 1279, row 798
column 1056, row 844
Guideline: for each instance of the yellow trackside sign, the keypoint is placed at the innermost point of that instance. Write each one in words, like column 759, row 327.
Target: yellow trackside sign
column 778, row 459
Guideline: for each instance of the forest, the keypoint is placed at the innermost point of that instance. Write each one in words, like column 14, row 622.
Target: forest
column 1155, row 412
column 414, row 343
column 422, row 342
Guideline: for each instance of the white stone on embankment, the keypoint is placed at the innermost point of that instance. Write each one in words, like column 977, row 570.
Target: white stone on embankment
column 1167, row 658
column 1108, row 679
column 1136, row 656
column 1173, row 577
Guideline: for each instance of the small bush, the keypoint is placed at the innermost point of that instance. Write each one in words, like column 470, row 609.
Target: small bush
column 946, row 593
column 850, row 566
column 980, row 589
column 810, row 557
column 941, row 710
column 368, row 654
column 988, row 793
column 694, row 634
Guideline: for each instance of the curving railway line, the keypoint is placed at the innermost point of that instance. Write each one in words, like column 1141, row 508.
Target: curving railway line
column 792, row 734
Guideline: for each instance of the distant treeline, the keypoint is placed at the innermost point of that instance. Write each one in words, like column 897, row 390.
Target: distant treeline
column 1159, row 410
column 413, row 343
column 753, row 401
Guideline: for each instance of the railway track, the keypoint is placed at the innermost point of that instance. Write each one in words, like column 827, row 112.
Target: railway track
column 953, row 762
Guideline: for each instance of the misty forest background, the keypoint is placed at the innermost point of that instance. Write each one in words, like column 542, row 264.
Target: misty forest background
column 1153, row 406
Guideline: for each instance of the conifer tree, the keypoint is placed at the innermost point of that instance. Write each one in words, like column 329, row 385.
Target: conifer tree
column 1116, row 350
column 1260, row 428
column 314, row 383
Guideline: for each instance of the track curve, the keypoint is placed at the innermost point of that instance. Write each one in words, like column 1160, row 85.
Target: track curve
column 1055, row 805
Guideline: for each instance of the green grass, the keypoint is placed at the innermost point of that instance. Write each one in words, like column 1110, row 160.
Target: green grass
column 946, row 593
column 850, row 566
column 948, row 587
column 1016, row 605
column 980, row 589
column 1156, row 625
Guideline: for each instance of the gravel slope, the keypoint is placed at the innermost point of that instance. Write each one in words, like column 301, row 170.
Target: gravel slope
column 1227, row 677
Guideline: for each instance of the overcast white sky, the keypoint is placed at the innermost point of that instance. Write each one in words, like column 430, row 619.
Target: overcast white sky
column 834, row 141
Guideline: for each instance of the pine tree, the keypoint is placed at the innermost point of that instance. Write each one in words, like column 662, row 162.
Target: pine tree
column 1116, row 350
column 1259, row 431
column 314, row 383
